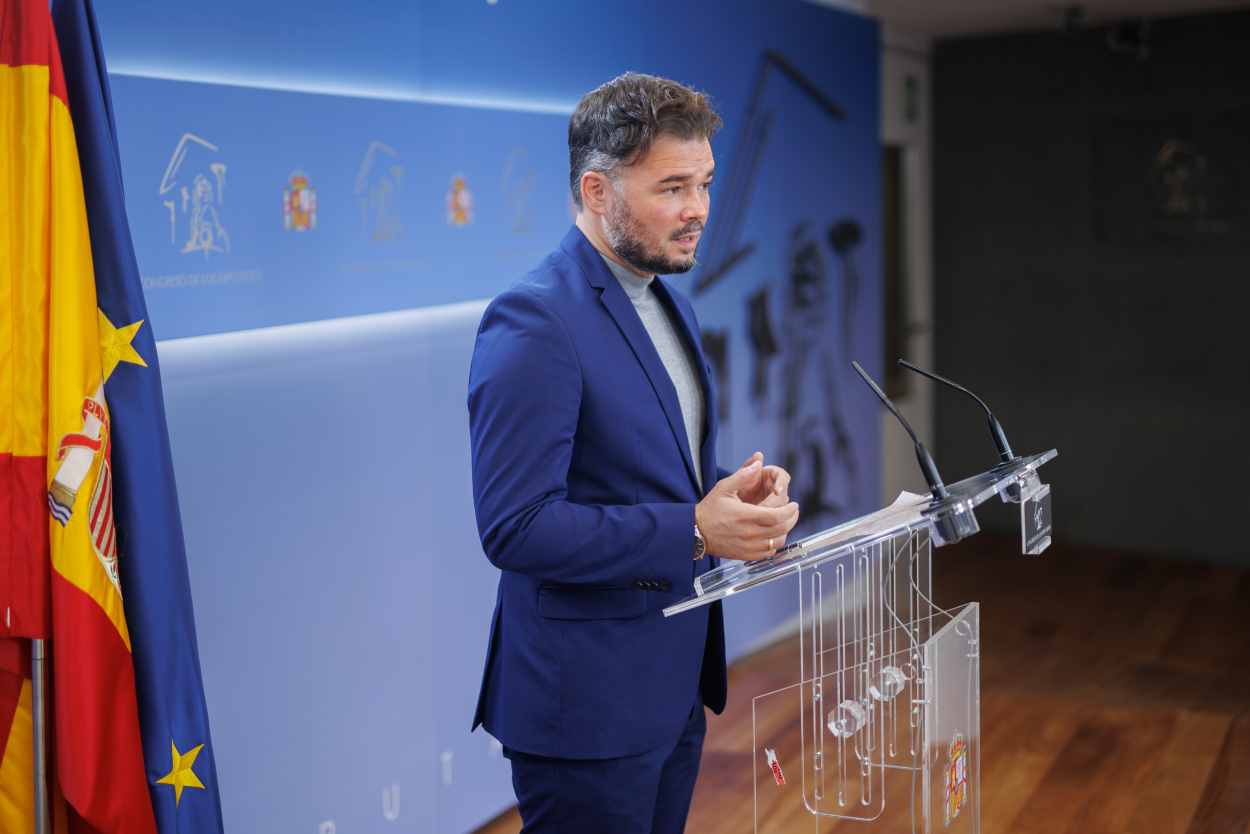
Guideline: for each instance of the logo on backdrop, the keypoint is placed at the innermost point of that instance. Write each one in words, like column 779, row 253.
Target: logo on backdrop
column 193, row 191
column 299, row 204
column 459, row 202
column 379, row 181
column 519, row 178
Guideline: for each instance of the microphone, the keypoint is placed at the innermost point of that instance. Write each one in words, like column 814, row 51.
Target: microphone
column 952, row 519
column 996, row 429
column 927, row 467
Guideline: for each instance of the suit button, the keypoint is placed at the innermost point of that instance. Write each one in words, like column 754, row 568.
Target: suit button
column 666, row 585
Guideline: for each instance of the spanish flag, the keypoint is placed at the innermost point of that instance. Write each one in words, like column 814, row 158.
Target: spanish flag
column 57, row 351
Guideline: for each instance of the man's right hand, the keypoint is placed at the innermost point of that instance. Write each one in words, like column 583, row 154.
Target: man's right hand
column 734, row 529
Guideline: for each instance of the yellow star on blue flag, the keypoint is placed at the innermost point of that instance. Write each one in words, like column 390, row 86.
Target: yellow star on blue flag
column 115, row 344
column 180, row 774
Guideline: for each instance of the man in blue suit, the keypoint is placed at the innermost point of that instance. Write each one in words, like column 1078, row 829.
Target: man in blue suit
column 593, row 425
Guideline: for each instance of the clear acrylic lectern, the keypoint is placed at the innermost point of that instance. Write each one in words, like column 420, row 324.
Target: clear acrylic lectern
column 881, row 731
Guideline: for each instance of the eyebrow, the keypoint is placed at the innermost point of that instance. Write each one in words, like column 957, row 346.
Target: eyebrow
column 683, row 177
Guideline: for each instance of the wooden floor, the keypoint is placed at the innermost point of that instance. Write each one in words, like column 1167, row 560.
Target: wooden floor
column 1115, row 698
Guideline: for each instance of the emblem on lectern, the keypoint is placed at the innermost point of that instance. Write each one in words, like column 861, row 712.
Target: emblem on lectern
column 956, row 778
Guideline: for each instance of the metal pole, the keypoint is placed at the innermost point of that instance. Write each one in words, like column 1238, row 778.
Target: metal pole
column 39, row 691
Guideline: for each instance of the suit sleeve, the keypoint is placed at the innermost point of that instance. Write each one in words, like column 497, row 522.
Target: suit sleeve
column 525, row 387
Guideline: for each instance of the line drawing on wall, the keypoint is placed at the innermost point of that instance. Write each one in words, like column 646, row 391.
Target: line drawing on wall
column 519, row 178
column 378, row 183
column 195, row 182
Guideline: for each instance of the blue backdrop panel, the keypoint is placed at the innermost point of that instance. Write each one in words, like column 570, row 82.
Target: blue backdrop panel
column 212, row 172
column 323, row 465
column 341, row 598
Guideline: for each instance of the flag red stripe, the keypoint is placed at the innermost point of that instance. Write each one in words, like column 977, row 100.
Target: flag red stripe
column 14, row 668
column 100, row 755
column 23, row 546
column 99, row 505
column 27, row 37
column 106, row 513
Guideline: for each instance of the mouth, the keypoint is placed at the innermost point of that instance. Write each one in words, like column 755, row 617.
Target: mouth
column 688, row 241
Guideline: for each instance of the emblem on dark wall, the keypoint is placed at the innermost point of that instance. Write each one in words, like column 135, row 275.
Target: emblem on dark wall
column 1173, row 180
column 1179, row 183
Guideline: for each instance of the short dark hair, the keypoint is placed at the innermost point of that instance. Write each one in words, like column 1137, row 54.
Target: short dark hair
column 616, row 123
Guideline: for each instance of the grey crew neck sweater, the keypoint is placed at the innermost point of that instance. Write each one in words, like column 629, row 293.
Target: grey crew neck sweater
column 665, row 334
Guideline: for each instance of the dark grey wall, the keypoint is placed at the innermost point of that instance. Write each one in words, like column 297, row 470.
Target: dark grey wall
column 1090, row 278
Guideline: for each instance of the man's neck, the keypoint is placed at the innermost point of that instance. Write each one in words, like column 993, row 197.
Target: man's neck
column 592, row 228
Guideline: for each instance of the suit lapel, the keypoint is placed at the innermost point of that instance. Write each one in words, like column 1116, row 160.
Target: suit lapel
column 622, row 311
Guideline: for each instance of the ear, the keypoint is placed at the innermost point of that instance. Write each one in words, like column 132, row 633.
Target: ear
column 595, row 186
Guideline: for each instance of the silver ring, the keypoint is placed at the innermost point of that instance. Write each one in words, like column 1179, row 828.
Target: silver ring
column 770, row 544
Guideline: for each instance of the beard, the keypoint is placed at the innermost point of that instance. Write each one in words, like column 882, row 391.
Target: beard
column 625, row 235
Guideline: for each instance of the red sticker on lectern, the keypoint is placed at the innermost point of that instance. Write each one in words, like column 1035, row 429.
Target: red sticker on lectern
column 774, row 766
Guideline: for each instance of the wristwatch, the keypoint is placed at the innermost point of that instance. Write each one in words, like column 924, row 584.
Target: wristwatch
column 700, row 546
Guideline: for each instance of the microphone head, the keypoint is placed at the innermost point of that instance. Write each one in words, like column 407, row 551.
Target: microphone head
column 927, row 466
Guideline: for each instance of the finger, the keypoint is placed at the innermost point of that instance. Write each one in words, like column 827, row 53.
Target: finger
column 775, row 500
column 744, row 478
column 793, row 519
column 768, row 544
column 769, row 516
column 776, row 533
column 782, row 528
column 780, row 479
column 754, row 457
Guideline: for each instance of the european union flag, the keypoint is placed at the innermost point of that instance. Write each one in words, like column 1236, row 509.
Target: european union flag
column 177, row 747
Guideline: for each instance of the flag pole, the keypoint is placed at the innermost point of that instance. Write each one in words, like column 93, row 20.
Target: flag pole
column 39, row 700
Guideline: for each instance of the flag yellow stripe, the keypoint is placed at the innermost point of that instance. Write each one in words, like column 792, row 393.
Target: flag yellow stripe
column 17, row 791
column 74, row 365
column 74, row 558
column 25, row 106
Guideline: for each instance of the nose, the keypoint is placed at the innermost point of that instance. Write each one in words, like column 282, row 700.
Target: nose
column 696, row 207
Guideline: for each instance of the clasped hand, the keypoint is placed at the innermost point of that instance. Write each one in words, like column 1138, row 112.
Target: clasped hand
column 748, row 514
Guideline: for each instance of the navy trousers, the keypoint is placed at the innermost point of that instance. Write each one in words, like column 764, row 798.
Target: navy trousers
column 644, row 794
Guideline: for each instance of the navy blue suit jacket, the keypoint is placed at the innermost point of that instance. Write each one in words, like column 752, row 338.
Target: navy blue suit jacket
column 584, row 491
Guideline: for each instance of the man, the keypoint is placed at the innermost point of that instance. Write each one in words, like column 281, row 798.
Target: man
column 588, row 394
